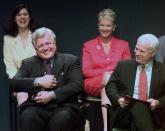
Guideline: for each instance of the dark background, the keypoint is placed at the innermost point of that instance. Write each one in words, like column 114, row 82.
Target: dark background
column 75, row 21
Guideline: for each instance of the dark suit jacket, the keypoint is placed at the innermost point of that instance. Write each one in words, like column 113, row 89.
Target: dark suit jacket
column 66, row 69
column 123, row 79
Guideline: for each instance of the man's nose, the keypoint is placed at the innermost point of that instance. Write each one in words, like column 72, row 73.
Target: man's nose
column 45, row 47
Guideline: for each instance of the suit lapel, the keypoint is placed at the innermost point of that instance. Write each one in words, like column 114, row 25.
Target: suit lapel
column 40, row 67
column 132, row 75
column 57, row 63
column 56, row 68
column 155, row 78
column 18, row 46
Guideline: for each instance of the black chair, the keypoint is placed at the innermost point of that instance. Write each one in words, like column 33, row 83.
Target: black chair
column 93, row 113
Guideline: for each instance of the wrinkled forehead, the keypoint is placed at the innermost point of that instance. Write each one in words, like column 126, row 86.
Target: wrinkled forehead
column 47, row 35
column 144, row 46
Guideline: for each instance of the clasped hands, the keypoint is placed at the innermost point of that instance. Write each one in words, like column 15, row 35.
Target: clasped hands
column 46, row 81
column 153, row 103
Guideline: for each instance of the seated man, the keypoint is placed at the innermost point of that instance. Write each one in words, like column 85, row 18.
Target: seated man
column 53, row 81
column 137, row 89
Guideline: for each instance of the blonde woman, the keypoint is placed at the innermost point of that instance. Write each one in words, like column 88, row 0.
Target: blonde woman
column 100, row 56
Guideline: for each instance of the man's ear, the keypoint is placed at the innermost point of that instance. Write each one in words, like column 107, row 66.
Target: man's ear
column 153, row 54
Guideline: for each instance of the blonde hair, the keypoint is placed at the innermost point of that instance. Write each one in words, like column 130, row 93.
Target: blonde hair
column 107, row 14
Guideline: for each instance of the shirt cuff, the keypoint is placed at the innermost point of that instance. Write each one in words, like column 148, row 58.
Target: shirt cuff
column 36, row 82
column 53, row 95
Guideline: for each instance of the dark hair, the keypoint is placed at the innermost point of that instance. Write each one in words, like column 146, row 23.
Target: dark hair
column 11, row 26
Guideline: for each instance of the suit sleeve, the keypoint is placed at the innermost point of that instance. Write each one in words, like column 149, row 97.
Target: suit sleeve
column 11, row 69
column 162, row 85
column 112, row 87
column 21, row 81
column 93, row 77
column 162, row 101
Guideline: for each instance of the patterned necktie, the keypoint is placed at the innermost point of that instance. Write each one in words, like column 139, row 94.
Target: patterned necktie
column 143, row 84
column 48, row 67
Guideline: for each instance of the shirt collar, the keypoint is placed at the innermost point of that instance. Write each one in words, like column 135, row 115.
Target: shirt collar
column 51, row 61
column 148, row 66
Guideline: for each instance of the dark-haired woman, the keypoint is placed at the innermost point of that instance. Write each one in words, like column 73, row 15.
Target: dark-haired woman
column 18, row 42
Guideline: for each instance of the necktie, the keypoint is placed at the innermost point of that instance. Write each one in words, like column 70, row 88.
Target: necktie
column 48, row 67
column 143, row 84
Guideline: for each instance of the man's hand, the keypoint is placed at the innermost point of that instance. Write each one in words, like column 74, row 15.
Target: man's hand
column 153, row 103
column 47, row 81
column 122, row 102
column 44, row 97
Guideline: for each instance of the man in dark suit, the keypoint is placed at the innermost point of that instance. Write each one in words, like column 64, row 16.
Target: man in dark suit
column 124, row 86
column 53, row 81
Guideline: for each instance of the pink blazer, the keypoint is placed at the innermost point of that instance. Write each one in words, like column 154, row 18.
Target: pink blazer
column 95, row 62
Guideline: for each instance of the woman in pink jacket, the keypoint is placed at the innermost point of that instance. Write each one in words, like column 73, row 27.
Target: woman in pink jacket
column 100, row 56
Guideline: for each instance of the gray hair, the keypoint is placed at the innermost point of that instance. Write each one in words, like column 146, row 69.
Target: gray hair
column 107, row 14
column 38, row 33
column 150, row 40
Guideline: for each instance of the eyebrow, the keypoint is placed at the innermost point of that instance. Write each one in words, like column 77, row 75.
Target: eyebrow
column 139, row 49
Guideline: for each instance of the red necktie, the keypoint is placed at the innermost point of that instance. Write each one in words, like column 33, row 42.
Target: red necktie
column 143, row 84
column 48, row 67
